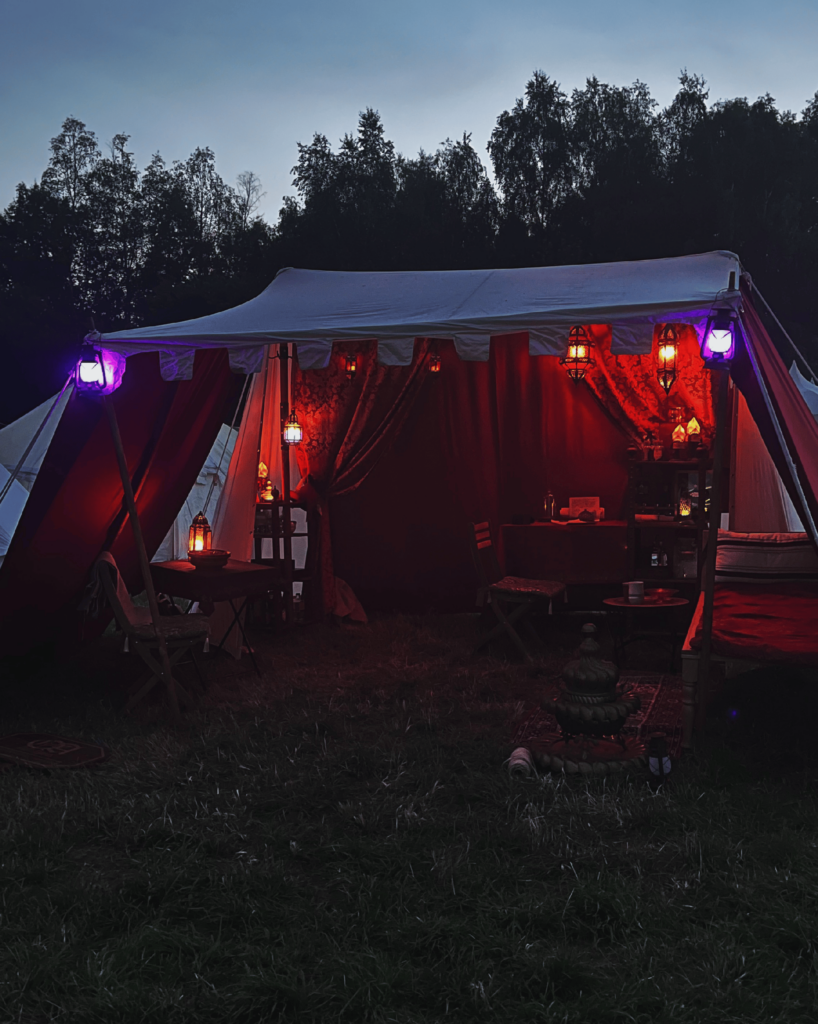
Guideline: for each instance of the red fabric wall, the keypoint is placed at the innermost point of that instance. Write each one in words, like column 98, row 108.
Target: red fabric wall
column 75, row 507
column 484, row 440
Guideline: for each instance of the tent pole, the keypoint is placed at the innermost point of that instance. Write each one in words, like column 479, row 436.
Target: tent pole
column 284, row 364
column 703, row 675
column 144, row 564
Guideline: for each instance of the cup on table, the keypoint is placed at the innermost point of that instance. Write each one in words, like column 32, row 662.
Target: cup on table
column 634, row 591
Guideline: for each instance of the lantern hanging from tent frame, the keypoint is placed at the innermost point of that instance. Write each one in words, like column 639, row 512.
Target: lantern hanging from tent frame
column 434, row 364
column 199, row 539
column 668, row 354
column 719, row 339
column 351, row 366
column 98, row 371
column 292, row 433
column 578, row 360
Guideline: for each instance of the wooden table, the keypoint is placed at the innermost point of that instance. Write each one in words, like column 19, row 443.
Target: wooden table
column 622, row 623
column 581, row 553
column 235, row 581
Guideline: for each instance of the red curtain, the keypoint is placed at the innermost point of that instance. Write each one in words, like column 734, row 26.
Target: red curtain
column 349, row 424
column 75, row 508
column 629, row 389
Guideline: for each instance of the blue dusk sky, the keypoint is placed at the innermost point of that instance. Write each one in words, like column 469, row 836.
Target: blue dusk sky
column 252, row 78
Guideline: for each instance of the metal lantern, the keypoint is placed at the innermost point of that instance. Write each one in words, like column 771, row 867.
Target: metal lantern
column 719, row 341
column 292, row 430
column 98, row 371
column 678, row 436
column 694, row 430
column 199, row 534
column 351, row 367
column 434, row 364
column 578, row 360
column 685, row 505
column 668, row 352
column 658, row 759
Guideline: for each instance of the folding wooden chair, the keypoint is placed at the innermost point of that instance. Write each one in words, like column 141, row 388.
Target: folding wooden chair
column 182, row 633
column 498, row 592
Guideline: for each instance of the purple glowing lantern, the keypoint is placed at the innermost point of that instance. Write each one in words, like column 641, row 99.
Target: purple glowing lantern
column 719, row 343
column 98, row 371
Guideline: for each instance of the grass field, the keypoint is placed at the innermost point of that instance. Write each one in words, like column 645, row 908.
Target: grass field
column 340, row 841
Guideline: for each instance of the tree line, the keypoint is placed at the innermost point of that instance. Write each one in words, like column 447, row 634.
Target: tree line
column 599, row 175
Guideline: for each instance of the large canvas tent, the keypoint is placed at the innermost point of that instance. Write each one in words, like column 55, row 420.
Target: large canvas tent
column 398, row 459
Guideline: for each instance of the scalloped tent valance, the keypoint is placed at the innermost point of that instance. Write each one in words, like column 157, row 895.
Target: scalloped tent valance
column 314, row 308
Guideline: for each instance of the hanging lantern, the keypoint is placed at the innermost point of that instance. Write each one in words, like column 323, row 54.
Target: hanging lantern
column 199, row 534
column 351, row 367
column 292, row 430
column 434, row 364
column 678, row 436
column 578, row 360
column 98, row 371
column 719, row 341
column 668, row 352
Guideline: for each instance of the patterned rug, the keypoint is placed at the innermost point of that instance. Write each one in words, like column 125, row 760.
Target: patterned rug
column 661, row 711
column 44, row 750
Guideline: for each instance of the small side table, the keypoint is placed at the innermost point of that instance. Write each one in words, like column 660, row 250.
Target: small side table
column 236, row 581
column 625, row 631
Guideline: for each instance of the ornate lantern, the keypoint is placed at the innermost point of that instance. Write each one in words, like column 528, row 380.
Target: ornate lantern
column 685, row 505
column 199, row 534
column 578, row 360
column 678, row 436
column 434, row 364
column 351, row 366
column 694, row 431
column 292, row 430
column 668, row 352
column 719, row 342
column 98, row 371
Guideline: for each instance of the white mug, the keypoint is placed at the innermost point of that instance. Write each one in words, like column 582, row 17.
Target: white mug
column 634, row 591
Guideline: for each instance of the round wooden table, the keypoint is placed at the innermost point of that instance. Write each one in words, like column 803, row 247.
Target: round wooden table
column 624, row 631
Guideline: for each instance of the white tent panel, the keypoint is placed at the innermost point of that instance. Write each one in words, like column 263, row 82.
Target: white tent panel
column 317, row 307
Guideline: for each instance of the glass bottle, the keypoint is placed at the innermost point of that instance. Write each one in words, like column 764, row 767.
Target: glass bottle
column 654, row 556
column 548, row 507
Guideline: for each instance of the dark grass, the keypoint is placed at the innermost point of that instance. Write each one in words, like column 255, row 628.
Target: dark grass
column 340, row 841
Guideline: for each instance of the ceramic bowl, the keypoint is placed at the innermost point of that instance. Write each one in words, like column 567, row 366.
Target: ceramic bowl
column 213, row 559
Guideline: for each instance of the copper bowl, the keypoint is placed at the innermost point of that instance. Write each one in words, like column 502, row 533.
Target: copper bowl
column 660, row 594
column 213, row 559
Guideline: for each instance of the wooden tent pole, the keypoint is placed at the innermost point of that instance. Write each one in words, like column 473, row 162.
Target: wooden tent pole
column 144, row 564
column 703, row 675
column 284, row 364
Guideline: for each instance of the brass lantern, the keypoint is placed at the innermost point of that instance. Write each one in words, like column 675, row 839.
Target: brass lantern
column 668, row 353
column 578, row 360
column 292, row 430
column 199, row 534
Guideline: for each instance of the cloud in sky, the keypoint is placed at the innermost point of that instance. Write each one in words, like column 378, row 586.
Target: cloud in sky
column 250, row 79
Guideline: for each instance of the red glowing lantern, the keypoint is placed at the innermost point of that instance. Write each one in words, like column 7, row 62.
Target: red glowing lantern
column 668, row 353
column 199, row 539
column 434, row 364
column 578, row 360
column 351, row 366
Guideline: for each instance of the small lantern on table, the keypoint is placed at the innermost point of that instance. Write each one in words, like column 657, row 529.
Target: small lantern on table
column 199, row 534
column 678, row 437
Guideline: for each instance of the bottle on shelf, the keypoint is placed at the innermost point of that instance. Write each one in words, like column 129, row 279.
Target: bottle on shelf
column 548, row 507
column 655, row 557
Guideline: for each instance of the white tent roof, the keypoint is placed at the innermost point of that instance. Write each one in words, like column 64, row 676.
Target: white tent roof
column 15, row 437
column 314, row 308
